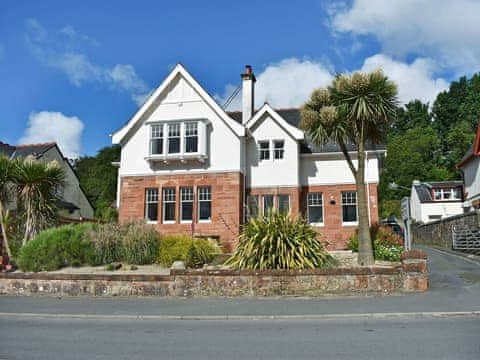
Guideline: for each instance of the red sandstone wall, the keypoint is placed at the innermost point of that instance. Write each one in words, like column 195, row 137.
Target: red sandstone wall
column 226, row 203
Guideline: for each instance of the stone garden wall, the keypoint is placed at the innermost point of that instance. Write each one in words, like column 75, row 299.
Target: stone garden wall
column 409, row 276
column 439, row 233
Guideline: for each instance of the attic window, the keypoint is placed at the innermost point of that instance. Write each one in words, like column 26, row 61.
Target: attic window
column 278, row 149
column 446, row 194
column 156, row 140
column 264, row 147
column 173, row 138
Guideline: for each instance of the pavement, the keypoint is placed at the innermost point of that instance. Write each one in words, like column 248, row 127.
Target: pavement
column 442, row 323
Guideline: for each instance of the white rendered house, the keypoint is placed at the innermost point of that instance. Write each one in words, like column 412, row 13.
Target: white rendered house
column 188, row 166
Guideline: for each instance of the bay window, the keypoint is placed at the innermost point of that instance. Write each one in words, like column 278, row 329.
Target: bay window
column 191, row 137
column 156, row 139
column 174, row 138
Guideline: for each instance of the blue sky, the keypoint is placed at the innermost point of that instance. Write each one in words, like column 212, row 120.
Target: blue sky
column 75, row 71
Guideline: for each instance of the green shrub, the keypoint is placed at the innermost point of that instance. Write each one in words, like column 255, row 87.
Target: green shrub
column 181, row 248
column 140, row 244
column 106, row 241
column 55, row 248
column 387, row 245
column 277, row 241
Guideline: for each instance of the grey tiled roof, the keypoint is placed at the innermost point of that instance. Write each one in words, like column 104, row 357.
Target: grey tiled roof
column 293, row 117
column 6, row 149
column 32, row 149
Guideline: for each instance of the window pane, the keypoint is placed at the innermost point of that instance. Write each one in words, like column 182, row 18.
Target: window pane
column 267, row 203
column 173, row 138
column 264, row 150
column 191, row 144
column 169, row 212
column 284, row 204
column 205, row 210
column 204, row 203
column 315, row 207
column 151, row 204
column 157, row 146
column 253, row 206
column 349, row 206
column 278, row 149
column 186, row 203
column 169, row 204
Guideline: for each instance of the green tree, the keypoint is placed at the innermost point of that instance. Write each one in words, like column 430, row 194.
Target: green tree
column 458, row 141
column 36, row 185
column 98, row 177
column 413, row 114
column 411, row 156
column 356, row 109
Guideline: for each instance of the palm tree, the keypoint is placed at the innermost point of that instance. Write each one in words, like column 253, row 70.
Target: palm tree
column 36, row 186
column 6, row 192
column 355, row 109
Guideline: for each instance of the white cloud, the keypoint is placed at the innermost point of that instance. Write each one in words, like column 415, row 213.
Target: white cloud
column 288, row 83
column 63, row 51
column 444, row 30
column 415, row 80
column 47, row 126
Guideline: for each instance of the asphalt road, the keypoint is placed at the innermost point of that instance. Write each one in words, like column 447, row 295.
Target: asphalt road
column 419, row 326
column 433, row 338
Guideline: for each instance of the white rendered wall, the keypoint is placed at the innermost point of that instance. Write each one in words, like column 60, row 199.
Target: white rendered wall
column 182, row 103
column 444, row 209
column 415, row 206
column 333, row 169
column 272, row 172
column 471, row 173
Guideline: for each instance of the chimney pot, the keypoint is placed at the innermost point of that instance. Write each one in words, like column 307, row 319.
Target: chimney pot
column 248, row 69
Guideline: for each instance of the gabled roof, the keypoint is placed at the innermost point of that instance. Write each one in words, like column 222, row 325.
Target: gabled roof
column 36, row 150
column 473, row 151
column 293, row 131
column 119, row 135
column 293, row 117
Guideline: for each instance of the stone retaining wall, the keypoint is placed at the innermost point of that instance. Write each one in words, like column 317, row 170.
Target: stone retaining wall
column 409, row 276
column 439, row 233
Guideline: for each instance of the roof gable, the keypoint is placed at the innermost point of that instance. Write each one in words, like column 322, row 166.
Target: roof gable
column 293, row 131
column 153, row 101
column 473, row 151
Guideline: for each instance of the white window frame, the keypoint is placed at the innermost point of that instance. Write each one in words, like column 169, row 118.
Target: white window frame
column 151, row 197
column 190, row 131
column 169, row 201
column 183, row 200
column 349, row 223
column 179, row 137
column 281, row 150
column 261, row 151
column 200, row 194
column 263, row 203
column 154, row 136
column 322, row 205
column 443, row 191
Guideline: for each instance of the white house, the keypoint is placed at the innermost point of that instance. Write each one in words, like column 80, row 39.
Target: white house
column 187, row 166
column 430, row 201
column 470, row 168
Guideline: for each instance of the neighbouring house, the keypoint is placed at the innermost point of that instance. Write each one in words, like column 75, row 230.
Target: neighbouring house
column 188, row 166
column 73, row 204
column 435, row 200
column 470, row 168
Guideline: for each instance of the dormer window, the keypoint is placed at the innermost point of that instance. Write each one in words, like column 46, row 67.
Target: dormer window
column 156, row 140
column 173, row 138
column 191, row 137
column 447, row 194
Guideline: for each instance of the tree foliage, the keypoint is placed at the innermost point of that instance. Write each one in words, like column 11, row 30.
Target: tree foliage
column 98, row 178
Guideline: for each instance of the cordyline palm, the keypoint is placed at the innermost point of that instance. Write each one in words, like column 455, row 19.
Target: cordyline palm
column 6, row 192
column 355, row 109
column 36, row 184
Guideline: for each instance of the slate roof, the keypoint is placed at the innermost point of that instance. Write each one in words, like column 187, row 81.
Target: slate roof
column 293, row 117
column 424, row 190
column 6, row 149
column 36, row 150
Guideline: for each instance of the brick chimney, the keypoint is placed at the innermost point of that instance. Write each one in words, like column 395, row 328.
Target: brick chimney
column 248, row 98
